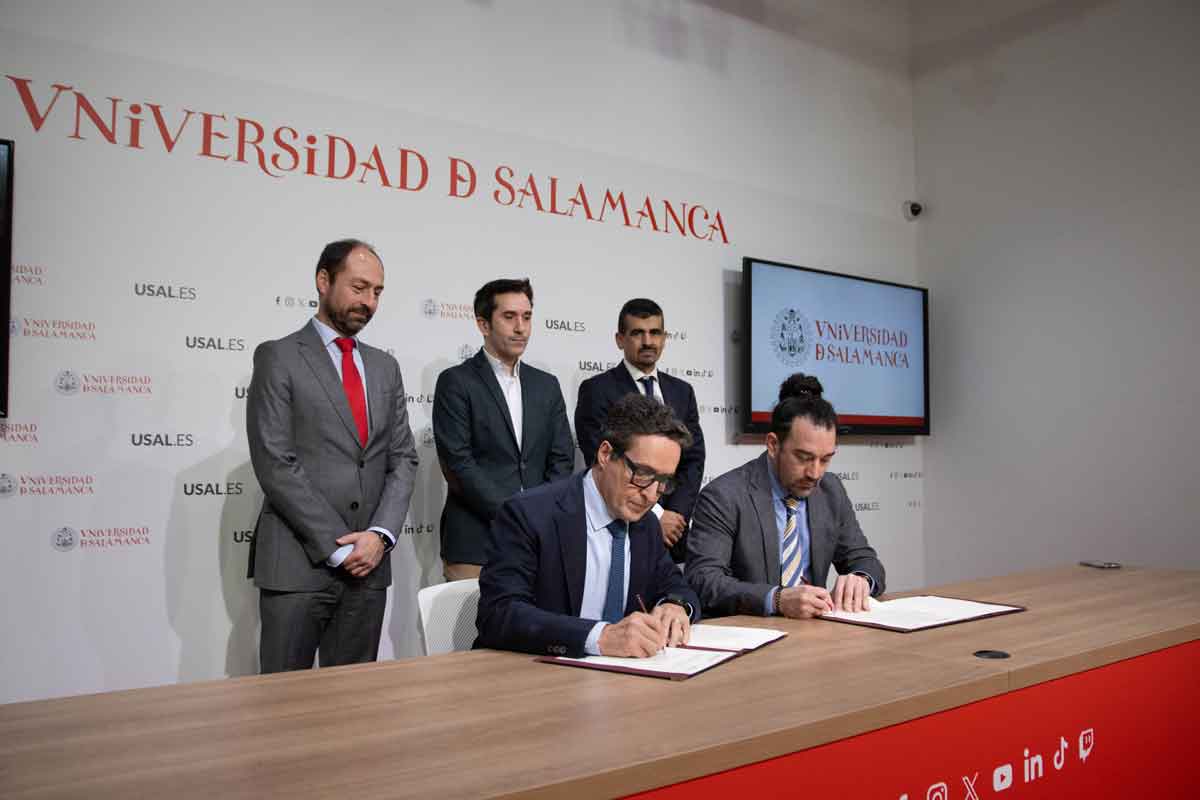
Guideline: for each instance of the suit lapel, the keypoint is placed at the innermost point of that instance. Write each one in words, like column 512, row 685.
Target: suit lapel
column 639, row 532
column 570, row 523
column 819, row 544
column 760, row 499
column 528, row 412
column 314, row 354
column 484, row 369
column 373, row 364
column 625, row 381
column 672, row 399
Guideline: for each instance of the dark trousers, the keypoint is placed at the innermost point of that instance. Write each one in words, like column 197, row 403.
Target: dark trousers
column 343, row 621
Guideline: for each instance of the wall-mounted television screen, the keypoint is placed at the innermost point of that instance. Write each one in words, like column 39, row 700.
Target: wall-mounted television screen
column 865, row 340
column 6, row 193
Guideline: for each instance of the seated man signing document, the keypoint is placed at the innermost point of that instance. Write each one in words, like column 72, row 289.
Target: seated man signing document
column 765, row 534
column 578, row 567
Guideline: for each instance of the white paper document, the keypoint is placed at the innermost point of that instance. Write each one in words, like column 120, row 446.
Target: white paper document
column 915, row 613
column 669, row 661
column 730, row 637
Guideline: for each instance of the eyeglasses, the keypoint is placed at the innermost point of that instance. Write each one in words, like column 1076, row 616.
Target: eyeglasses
column 643, row 477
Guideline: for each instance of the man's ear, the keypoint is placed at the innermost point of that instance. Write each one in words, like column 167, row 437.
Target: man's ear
column 604, row 453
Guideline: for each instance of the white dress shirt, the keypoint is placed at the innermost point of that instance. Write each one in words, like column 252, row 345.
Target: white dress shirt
column 510, row 387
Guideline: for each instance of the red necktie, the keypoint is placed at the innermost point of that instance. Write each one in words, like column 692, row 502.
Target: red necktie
column 352, row 383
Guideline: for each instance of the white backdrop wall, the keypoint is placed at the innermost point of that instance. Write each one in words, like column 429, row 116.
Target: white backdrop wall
column 1057, row 150
column 145, row 277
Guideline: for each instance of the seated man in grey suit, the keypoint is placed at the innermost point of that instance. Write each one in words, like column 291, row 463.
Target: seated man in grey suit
column 327, row 423
column 578, row 566
column 500, row 426
column 764, row 534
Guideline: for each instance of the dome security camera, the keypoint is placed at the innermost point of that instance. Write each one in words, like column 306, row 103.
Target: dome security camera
column 912, row 210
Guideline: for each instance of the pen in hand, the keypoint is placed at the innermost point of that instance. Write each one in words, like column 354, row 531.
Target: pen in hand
column 642, row 606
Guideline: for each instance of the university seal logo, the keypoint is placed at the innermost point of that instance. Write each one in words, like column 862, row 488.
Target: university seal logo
column 8, row 485
column 791, row 337
column 67, row 382
column 430, row 309
column 64, row 539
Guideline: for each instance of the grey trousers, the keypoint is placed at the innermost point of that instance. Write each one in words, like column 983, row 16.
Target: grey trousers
column 343, row 622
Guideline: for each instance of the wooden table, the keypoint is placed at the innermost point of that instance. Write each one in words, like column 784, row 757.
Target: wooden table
column 493, row 724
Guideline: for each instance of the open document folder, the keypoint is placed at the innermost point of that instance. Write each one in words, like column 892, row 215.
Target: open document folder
column 708, row 646
column 908, row 614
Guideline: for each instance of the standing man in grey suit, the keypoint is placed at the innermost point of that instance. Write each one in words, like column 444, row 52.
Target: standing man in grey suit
column 641, row 336
column 500, row 426
column 765, row 534
column 327, row 422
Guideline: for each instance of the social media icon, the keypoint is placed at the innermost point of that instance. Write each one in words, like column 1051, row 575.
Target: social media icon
column 1002, row 777
column 1060, row 755
column 1086, row 740
column 939, row 791
column 969, row 783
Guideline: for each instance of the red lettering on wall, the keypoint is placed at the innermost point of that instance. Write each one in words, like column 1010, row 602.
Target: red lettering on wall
column 503, row 180
column 405, row 153
column 36, row 118
column 207, row 134
column 457, row 178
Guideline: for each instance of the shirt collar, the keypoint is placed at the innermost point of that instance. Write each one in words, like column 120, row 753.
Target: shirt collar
column 500, row 368
column 637, row 374
column 598, row 515
column 777, row 492
column 328, row 334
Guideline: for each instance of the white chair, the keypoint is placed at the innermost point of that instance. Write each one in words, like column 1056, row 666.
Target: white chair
column 448, row 616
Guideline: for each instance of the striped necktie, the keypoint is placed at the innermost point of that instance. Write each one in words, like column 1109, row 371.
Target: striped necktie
column 790, row 549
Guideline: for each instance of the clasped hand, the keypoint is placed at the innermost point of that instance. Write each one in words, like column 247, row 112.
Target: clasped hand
column 366, row 555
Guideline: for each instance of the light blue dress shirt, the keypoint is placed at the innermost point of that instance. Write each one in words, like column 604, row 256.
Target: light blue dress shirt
column 599, row 557
column 327, row 335
column 777, row 496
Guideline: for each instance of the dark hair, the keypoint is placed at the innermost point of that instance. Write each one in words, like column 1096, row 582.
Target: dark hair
column 638, row 415
column 800, row 396
column 639, row 307
column 333, row 257
column 485, row 298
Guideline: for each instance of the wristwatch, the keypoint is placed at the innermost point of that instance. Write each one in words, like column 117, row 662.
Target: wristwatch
column 388, row 544
column 680, row 601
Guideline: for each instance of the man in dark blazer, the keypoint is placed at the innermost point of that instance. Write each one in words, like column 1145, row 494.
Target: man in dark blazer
column 577, row 566
column 327, row 424
column 500, row 426
column 765, row 534
column 641, row 336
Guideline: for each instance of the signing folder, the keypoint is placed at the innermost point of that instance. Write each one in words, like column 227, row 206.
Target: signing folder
column 908, row 614
column 708, row 646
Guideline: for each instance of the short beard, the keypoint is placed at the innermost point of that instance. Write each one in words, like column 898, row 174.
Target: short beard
column 343, row 323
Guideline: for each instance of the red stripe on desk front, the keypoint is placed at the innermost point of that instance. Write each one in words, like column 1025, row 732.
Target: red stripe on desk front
column 1142, row 713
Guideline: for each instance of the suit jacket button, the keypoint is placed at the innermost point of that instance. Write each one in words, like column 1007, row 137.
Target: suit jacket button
column 362, row 464
column 523, row 463
column 354, row 506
